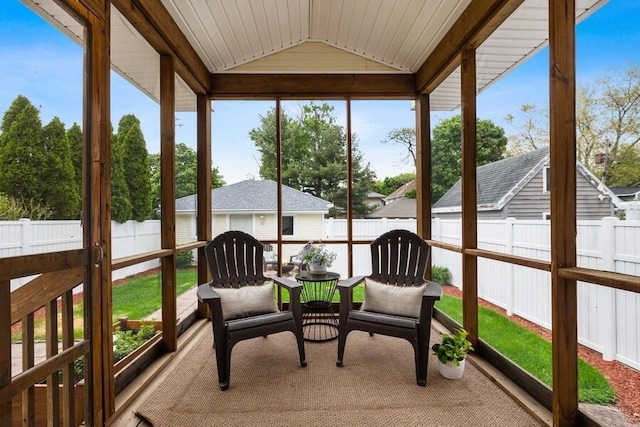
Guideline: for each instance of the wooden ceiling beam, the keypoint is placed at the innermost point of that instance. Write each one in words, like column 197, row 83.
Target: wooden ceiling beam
column 153, row 22
column 479, row 20
column 268, row 86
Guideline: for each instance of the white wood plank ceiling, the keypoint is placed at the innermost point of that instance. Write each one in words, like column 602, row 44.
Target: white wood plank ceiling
column 343, row 36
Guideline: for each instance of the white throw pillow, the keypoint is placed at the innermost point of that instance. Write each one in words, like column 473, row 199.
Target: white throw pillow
column 389, row 299
column 247, row 301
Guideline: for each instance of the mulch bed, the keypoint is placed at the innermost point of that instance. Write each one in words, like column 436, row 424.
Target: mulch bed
column 624, row 380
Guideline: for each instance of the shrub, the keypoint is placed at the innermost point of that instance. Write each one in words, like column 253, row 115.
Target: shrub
column 126, row 341
column 184, row 259
column 441, row 275
column 10, row 209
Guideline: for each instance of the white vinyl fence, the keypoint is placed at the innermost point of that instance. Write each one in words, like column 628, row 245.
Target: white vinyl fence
column 608, row 319
column 25, row 237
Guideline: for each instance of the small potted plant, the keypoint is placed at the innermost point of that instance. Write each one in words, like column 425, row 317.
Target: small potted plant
column 452, row 352
column 317, row 257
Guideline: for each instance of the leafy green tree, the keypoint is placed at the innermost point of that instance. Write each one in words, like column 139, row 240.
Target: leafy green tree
column 314, row 157
column 626, row 172
column 62, row 194
column 186, row 174
column 392, row 183
column 120, row 204
column 608, row 123
column 137, row 175
column 446, row 151
column 76, row 145
column 22, row 158
column 607, row 126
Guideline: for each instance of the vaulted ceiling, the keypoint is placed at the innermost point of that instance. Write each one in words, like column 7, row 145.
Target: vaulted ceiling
column 321, row 36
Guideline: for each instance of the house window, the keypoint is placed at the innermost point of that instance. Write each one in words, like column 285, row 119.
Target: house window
column 546, row 179
column 241, row 222
column 287, row 226
column 546, row 215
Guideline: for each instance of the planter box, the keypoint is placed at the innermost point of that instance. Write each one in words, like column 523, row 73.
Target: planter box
column 41, row 406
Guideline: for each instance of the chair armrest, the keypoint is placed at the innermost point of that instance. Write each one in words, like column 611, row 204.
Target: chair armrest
column 432, row 293
column 207, row 293
column 351, row 282
column 294, row 289
column 286, row 283
column 433, row 290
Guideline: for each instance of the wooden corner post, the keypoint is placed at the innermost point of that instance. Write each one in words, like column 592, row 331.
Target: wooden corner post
column 167, row 199
column 204, row 187
column 562, row 122
column 423, row 169
column 469, row 204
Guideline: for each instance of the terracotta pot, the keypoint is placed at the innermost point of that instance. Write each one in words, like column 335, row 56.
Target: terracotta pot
column 451, row 371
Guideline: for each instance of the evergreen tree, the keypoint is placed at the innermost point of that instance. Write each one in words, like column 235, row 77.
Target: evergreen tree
column 21, row 155
column 61, row 194
column 120, row 204
column 137, row 174
column 76, row 145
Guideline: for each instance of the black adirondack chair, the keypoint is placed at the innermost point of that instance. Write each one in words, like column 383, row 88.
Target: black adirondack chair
column 398, row 258
column 235, row 261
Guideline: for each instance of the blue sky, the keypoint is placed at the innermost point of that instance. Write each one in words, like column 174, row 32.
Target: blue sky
column 40, row 62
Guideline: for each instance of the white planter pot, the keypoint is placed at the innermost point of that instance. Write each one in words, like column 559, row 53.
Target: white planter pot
column 317, row 268
column 451, row 371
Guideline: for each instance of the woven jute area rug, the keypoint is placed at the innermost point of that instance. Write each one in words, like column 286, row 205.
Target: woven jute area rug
column 376, row 387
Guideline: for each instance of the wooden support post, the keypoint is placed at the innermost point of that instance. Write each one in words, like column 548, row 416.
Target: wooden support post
column 469, row 204
column 5, row 349
column 279, row 187
column 562, row 132
column 168, row 191
column 423, row 170
column 204, row 187
column 349, row 193
column 99, row 382
column 28, row 362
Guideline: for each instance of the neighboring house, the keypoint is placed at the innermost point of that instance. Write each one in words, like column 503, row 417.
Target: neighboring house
column 627, row 194
column 396, row 205
column 400, row 207
column 374, row 199
column 250, row 206
column 400, row 192
column 518, row 187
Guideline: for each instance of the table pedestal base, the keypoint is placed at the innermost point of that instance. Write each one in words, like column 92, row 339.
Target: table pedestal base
column 318, row 322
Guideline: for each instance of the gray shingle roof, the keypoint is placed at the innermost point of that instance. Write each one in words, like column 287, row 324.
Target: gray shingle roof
column 256, row 195
column 625, row 191
column 401, row 207
column 495, row 180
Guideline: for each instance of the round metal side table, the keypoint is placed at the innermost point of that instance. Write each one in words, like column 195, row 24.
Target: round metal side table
column 319, row 323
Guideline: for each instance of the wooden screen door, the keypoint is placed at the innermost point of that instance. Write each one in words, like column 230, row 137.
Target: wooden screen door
column 55, row 281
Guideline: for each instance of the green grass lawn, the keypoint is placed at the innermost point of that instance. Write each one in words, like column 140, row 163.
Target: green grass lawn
column 529, row 350
column 138, row 297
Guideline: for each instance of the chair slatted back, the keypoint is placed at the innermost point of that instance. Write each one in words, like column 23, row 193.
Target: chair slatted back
column 235, row 260
column 399, row 257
